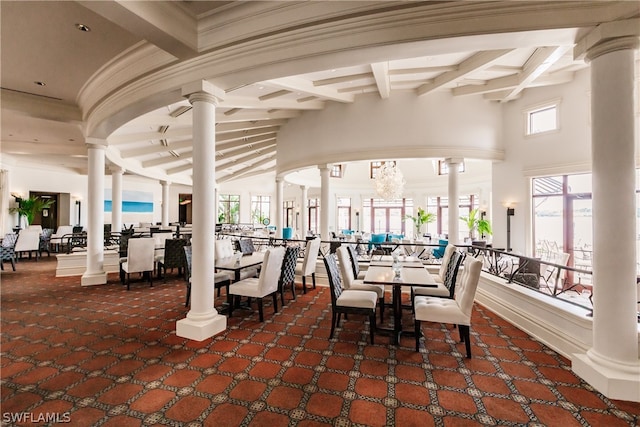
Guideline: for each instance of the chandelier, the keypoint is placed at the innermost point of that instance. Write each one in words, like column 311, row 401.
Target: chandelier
column 389, row 181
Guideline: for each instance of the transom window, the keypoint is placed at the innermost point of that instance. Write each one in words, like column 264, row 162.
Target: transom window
column 542, row 118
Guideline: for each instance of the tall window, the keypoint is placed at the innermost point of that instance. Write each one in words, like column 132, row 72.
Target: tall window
column 385, row 216
column 314, row 215
column 344, row 213
column 289, row 206
column 229, row 208
column 336, row 171
column 465, row 204
column 260, row 208
column 542, row 118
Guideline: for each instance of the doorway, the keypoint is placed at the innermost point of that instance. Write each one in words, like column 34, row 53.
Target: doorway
column 48, row 218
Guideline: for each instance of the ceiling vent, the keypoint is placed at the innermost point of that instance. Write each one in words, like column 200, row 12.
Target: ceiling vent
column 164, row 142
column 163, row 129
column 173, row 153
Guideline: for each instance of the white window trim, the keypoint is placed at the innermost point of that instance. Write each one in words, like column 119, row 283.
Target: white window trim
column 526, row 113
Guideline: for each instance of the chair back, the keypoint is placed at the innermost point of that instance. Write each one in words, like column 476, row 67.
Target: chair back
column 310, row 256
column 450, row 249
column 60, row 232
column 468, row 284
column 354, row 260
column 141, row 254
column 224, row 248
column 345, row 266
column 9, row 240
column 439, row 251
column 288, row 270
column 187, row 250
column 173, row 253
column 246, row 246
column 37, row 228
column 28, row 240
column 161, row 238
column 333, row 273
column 451, row 272
column 270, row 272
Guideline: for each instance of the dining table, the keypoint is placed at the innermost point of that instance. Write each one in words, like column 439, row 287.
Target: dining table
column 410, row 274
column 239, row 262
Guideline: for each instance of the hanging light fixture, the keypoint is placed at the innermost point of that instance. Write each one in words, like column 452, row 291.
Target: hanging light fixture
column 389, row 181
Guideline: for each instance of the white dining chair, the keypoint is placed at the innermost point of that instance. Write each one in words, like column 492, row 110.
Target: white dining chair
column 349, row 282
column 28, row 242
column 456, row 311
column 447, row 287
column 140, row 259
column 308, row 265
column 58, row 239
column 224, row 248
column 263, row 286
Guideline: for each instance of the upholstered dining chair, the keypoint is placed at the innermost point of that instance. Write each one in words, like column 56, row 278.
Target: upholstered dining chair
column 288, row 271
column 172, row 257
column 348, row 301
column 456, row 311
column 447, row 287
column 140, row 259
column 357, row 273
column 222, row 279
column 7, row 250
column 224, row 248
column 446, row 255
column 28, row 242
column 260, row 287
column 308, row 265
column 349, row 282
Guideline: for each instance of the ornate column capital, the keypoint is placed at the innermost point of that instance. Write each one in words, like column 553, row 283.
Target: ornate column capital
column 203, row 91
column 612, row 45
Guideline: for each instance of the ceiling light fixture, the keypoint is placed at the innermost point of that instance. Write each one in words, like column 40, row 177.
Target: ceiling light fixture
column 39, row 83
column 389, row 182
column 83, row 28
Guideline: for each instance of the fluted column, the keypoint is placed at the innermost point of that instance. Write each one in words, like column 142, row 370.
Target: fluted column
column 116, row 198
column 454, row 201
column 612, row 365
column 203, row 321
column 324, row 201
column 304, row 211
column 279, row 200
column 95, row 274
column 165, row 202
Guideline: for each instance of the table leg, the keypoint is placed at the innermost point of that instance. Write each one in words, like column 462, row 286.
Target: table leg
column 397, row 315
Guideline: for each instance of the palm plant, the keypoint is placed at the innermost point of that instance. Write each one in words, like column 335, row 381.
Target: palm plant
column 421, row 217
column 30, row 207
column 475, row 221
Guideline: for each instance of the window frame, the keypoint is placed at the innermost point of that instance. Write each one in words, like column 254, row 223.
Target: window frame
column 537, row 108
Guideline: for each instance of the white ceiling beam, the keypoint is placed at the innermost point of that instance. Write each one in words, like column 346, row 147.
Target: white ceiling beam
column 275, row 103
column 477, row 62
column 168, row 159
column 546, row 80
column 176, row 133
column 494, row 85
column 245, row 159
column 255, row 171
column 275, row 94
column 179, row 169
column 241, row 134
column 165, row 24
column 304, row 86
column 249, row 115
column 247, row 125
column 381, row 74
column 536, row 65
column 342, row 79
column 157, row 148
column 244, row 150
column 247, row 169
column 422, row 70
column 245, row 142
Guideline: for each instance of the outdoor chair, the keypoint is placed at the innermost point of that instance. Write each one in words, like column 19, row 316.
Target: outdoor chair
column 348, row 301
column 457, row 310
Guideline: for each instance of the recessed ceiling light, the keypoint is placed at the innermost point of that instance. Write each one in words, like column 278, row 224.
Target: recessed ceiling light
column 83, row 27
column 39, row 83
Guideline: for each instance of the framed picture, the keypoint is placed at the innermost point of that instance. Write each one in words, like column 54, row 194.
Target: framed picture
column 45, row 212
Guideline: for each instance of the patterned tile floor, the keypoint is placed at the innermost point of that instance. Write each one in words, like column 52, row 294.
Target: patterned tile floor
column 102, row 356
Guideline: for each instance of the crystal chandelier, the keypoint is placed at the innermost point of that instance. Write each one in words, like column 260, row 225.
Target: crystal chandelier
column 389, row 181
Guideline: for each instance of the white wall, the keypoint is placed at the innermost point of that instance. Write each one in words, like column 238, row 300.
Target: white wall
column 566, row 151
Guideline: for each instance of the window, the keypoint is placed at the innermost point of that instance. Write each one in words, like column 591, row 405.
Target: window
column 336, row 171
column 260, row 206
column 377, row 165
column 289, row 206
column 344, row 213
column 542, row 119
column 228, row 208
column 314, row 215
column 443, row 167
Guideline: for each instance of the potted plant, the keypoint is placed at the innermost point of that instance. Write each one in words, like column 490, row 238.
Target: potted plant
column 421, row 217
column 475, row 221
column 30, row 207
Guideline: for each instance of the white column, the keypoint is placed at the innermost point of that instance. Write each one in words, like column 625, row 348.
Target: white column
column 165, row 202
column 279, row 199
column 454, row 201
column 324, row 201
column 116, row 198
column 203, row 321
column 612, row 364
column 95, row 274
column 304, row 212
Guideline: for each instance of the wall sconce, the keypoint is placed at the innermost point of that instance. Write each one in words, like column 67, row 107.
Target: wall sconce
column 357, row 220
column 79, row 205
column 510, row 212
column 18, row 197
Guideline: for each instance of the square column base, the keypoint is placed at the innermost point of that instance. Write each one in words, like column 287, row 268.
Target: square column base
column 201, row 330
column 92, row 279
column 614, row 384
